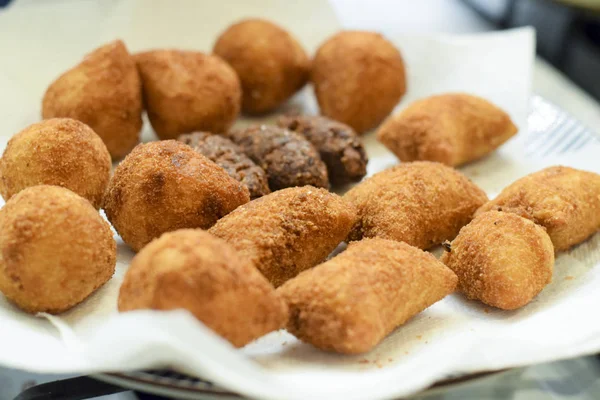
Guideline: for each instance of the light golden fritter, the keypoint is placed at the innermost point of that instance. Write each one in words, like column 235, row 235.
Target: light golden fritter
column 193, row 270
column 55, row 249
column 288, row 231
column 352, row 302
column 270, row 63
column 57, row 151
column 501, row 259
column 564, row 200
column 187, row 91
column 359, row 78
column 164, row 186
column 421, row 203
column 453, row 129
column 104, row 92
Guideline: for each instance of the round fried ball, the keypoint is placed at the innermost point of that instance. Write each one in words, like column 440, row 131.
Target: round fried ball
column 270, row 62
column 187, row 91
column 196, row 271
column 502, row 259
column 58, row 151
column 164, row 186
column 103, row 91
column 55, row 249
column 359, row 78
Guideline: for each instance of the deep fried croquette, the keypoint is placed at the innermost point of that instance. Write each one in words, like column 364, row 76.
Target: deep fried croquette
column 193, row 270
column 339, row 146
column 287, row 157
column 231, row 158
column 501, row 259
column 187, row 91
column 55, row 249
column 164, row 186
column 421, row 203
column 104, row 92
column 288, row 231
column 270, row 63
column 352, row 302
column 453, row 129
column 564, row 200
column 57, row 151
column 359, row 78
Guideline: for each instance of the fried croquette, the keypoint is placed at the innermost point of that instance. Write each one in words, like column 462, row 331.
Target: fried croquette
column 231, row 158
column 187, row 91
column 421, row 203
column 339, row 146
column 270, row 63
column 104, row 92
column 55, row 249
column 352, row 302
column 564, row 200
column 359, row 78
column 164, row 186
column 57, row 151
column 288, row 231
column 501, row 259
column 451, row 128
column 287, row 157
column 193, row 270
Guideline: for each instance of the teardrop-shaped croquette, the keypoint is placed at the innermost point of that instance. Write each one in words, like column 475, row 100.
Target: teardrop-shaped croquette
column 450, row 128
column 352, row 302
column 359, row 78
column 104, row 92
column 564, row 200
column 193, row 270
column 164, row 186
column 421, row 203
column 288, row 231
column 187, row 91
column 270, row 62
column 501, row 259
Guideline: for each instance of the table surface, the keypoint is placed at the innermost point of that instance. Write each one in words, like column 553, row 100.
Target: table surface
column 576, row 379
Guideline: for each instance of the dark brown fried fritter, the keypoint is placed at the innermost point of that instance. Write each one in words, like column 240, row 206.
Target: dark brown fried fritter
column 501, row 259
column 353, row 301
column 338, row 144
column 287, row 157
column 231, row 158
column 288, row 231
column 193, row 270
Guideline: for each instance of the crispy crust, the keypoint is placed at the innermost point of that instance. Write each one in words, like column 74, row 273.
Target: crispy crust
column 287, row 157
column 421, row 203
column 231, row 158
column 270, row 63
column 339, row 146
column 351, row 302
column 564, row 200
column 164, row 186
column 359, row 78
column 501, row 259
column 55, row 249
column 58, row 151
column 187, row 91
column 104, row 92
column 287, row 231
column 194, row 270
column 451, row 128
